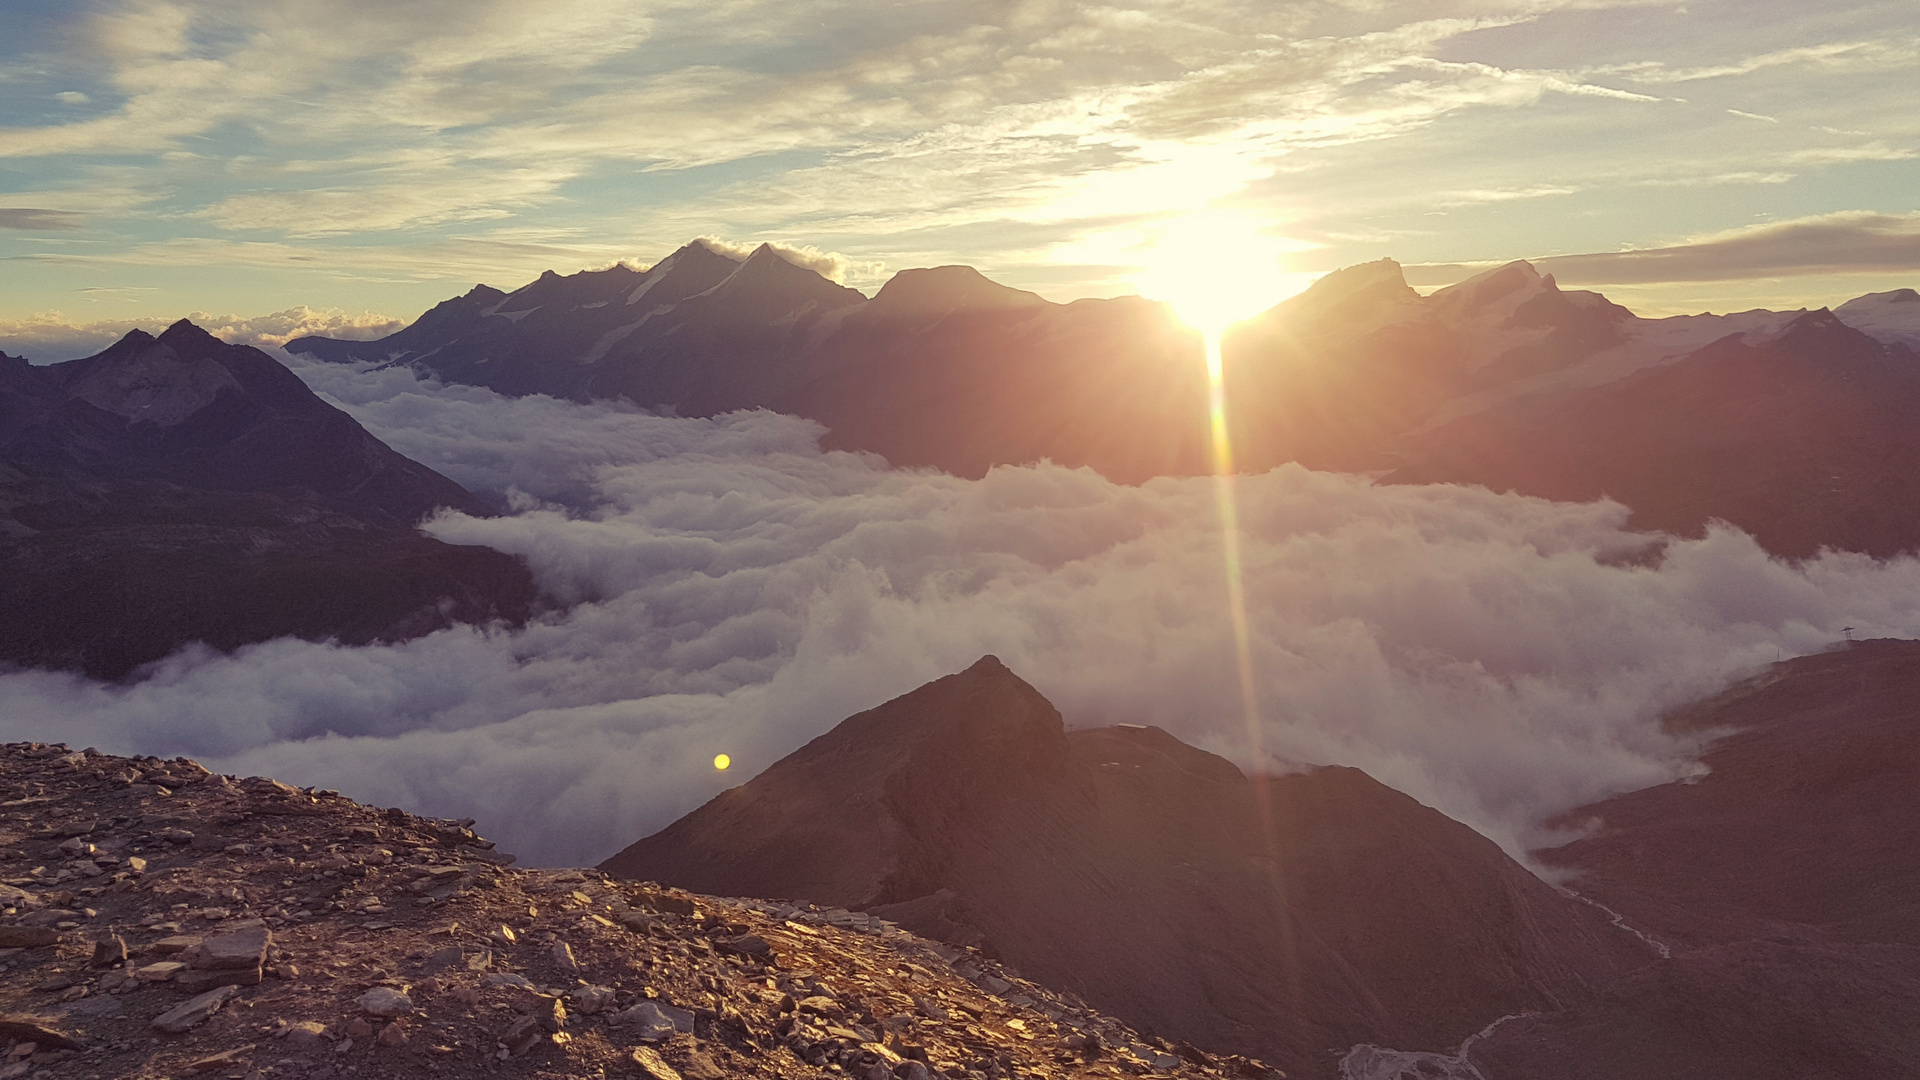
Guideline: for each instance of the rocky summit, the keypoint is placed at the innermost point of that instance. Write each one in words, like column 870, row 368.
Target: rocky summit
column 1291, row 918
column 157, row 921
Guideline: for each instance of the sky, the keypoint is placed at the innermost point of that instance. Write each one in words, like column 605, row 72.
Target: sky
column 342, row 164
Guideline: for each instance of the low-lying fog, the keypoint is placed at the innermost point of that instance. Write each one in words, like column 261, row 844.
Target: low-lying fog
column 736, row 590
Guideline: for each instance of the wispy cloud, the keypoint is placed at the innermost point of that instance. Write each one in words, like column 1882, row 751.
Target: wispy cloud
column 1852, row 242
column 28, row 218
column 1006, row 132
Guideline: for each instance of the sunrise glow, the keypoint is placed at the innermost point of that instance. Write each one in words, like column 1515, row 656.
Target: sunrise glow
column 1217, row 267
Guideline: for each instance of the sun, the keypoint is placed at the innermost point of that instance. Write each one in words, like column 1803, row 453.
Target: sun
column 1217, row 267
column 722, row 762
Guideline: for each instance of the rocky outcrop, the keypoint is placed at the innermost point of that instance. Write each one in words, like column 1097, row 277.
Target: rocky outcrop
column 179, row 489
column 273, row 931
column 1288, row 917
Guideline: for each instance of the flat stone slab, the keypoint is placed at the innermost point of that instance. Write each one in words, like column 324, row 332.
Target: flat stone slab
column 15, row 936
column 194, row 1011
column 246, row 948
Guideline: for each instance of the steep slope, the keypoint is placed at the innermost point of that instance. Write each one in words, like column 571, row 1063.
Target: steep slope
column 1289, row 918
column 1809, row 817
column 1784, row 880
column 1804, row 440
column 158, row 921
column 178, row 489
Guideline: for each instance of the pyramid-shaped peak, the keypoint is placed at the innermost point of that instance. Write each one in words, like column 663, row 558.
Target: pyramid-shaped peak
column 767, row 276
column 184, row 331
column 703, row 245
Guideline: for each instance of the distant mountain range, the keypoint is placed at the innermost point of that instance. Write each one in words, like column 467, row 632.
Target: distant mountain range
column 1757, row 923
column 1504, row 379
column 180, row 489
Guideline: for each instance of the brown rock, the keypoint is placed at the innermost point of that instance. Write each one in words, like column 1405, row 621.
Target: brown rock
column 15, row 936
column 223, row 1060
column 37, row 1032
column 195, row 1011
column 522, row 1035
column 245, row 948
column 652, row 1065
column 305, row 1035
column 394, row 1035
column 108, row 951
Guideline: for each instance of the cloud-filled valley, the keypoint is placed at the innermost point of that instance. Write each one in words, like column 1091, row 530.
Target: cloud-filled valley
column 725, row 586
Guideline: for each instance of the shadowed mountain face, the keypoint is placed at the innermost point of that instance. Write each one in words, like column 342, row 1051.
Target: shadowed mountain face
column 1805, row 440
column 944, row 368
column 1786, row 880
column 1504, row 379
column 1290, row 918
column 179, row 489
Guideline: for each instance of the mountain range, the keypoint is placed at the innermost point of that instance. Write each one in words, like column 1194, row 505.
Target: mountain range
column 1787, row 424
column 179, row 489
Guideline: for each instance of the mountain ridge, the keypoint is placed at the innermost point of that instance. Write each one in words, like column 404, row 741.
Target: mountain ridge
column 175, row 489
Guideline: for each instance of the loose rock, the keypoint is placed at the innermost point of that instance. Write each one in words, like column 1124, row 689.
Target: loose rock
column 385, row 1001
column 194, row 1011
column 652, row 1065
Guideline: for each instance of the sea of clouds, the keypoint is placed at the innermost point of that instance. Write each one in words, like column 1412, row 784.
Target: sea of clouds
column 731, row 588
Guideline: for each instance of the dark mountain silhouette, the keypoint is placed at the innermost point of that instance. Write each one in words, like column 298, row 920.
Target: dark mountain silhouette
column 1786, row 881
column 1504, row 379
column 1806, row 440
column 1289, row 917
column 179, row 489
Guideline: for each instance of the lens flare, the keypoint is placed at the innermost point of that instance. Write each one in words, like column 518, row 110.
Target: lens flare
column 722, row 762
column 1216, row 268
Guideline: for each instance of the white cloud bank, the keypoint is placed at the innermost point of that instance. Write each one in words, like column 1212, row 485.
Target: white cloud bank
column 1500, row 658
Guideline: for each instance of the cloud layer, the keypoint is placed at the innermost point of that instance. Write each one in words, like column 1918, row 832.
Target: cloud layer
column 1850, row 243
column 739, row 591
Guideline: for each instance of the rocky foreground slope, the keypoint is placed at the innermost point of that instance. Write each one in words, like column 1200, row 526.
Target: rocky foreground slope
column 157, row 921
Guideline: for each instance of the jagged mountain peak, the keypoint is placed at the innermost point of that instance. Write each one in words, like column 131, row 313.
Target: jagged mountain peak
column 1505, row 287
column 188, row 338
column 1351, row 299
column 767, row 276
